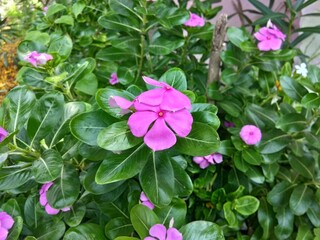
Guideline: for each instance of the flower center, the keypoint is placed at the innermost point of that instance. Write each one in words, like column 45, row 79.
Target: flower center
column 251, row 133
column 160, row 114
column 268, row 37
column 168, row 87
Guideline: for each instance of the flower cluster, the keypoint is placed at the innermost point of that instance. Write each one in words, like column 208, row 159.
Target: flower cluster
column 44, row 201
column 205, row 161
column 250, row 134
column 145, row 201
column 195, row 21
column 159, row 108
column 6, row 223
column 269, row 37
column 160, row 232
column 36, row 58
column 3, row 134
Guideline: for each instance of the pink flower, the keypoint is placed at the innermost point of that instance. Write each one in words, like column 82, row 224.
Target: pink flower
column 145, row 201
column 269, row 37
column 195, row 21
column 44, row 202
column 159, row 232
column 114, row 79
column 45, row 9
column 3, row 134
column 6, row 223
column 228, row 124
column 205, row 161
column 36, row 58
column 250, row 134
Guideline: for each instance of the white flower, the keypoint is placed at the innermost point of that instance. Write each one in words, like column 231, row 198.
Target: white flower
column 275, row 99
column 302, row 69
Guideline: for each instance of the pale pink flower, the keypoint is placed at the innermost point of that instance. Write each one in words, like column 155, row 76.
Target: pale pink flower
column 195, row 21
column 36, row 58
column 145, row 201
column 160, row 232
column 269, row 37
column 45, row 9
column 205, row 161
column 44, row 202
column 6, row 223
column 3, row 134
column 114, row 79
column 250, row 134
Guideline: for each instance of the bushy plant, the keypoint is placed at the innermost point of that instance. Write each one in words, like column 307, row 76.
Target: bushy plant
column 115, row 131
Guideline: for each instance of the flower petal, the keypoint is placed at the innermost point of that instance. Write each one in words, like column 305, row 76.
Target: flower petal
column 159, row 231
column 43, row 199
column 116, row 101
column 50, row 210
column 204, row 164
column 217, row 157
column 3, row 233
column 150, row 238
column 154, row 82
column 173, row 234
column 143, row 197
column 180, row 122
column 152, row 97
column 174, row 100
column 264, row 45
column 139, row 122
column 198, row 160
column 160, row 137
column 276, row 44
column 148, row 204
column 6, row 221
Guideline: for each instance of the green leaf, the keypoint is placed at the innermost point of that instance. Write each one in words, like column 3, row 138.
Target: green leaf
column 255, row 174
column 118, row 227
column 50, row 231
column 266, row 218
column 273, row 142
column 21, row 102
column 202, row 230
column 142, row 219
column 117, row 137
column 301, row 199
column 252, row 156
column 65, row 190
column 270, row 170
column 65, row 19
column 122, row 166
column 261, row 116
column 74, row 217
column 77, row 8
column 87, row 84
column 87, row 126
column 37, row 36
column 114, row 54
column 207, row 118
column 285, row 223
column 292, row 88
column 119, row 23
column 237, row 36
column 201, row 141
column 157, row 179
column 230, row 215
column 231, row 107
column 313, row 213
column 45, row 115
column 176, row 78
column 292, row 122
column 165, row 46
column 62, row 46
column 183, row 186
column 304, row 166
column 15, row 231
column 85, row 231
column 282, row 55
column 311, row 100
column 278, row 196
column 13, row 177
column 54, row 8
column 246, row 205
column 122, row 7
column 169, row 17
column 48, row 167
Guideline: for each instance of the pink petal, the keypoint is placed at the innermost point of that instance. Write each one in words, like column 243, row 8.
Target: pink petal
column 148, row 204
column 198, row 160
column 159, row 231
column 217, row 157
column 50, row 210
column 116, row 101
column 209, row 159
column 145, row 107
column 160, row 137
column 259, row 36
column 204, row 164
column 3, row 233
column 173, row 234
column 250, row 134
column 180, row 122
column 47, row 56
column 43, row 199
column 66, row 209
column 6, row 221
column 147, row 238
column 153, row 82
column 265, row 45
column 174, row 100
column 143, row 197
column 139, row 122
column 152, row 97
column 276, row 44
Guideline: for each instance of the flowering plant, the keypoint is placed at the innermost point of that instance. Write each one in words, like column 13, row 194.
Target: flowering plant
column 118, row 131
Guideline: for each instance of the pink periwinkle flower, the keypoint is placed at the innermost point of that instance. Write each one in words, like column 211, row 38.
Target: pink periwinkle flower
column 114, row 79
column 6, row 223
column 160, row 232
column 36, row 58
column 195, row 21
column 3, row 134
column 44, row 202
column 228, row 124
column 162, row 108
column 250, row 134
column 204, row 162
column 145, row 201
column 45, row 9
column 269, row 37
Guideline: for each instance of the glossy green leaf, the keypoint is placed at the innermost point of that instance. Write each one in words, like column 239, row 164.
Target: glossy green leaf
column 122, row 7
column 118, row 227
column 270, row 171
column 77, row 8
column 230, row 215
column 183, row 185
column 266, row 218
column 87, row 126
column 285, row 223
column 84, row 232
column 122, row 166
column 278, row 196
column 255, row 174
column 48, row 167
column 37, row 36
column 203, row 230
column 246, row 205
column 13, row 177
column 292, row 88
column 304, row 166
column 74, row 217
column 15, row 231
column 300, row 199
column 176, row 78
column 313, row 213
column 120, row 23
column 114, row 54
column 252, row 156
column 32, row 77
column 164, row 46
column 157, row 179
column 273, row 142
column 261, row 116
column 172, row 16
column 142, row 219
column 62, row 46
column 55, row 8
column 87, row 84
column 117, row 137
column 207, row 118
column 201, row 141
column 65, row 19
column 292, row 122
column 311, row 100
column 50, row 231
column 237, row 35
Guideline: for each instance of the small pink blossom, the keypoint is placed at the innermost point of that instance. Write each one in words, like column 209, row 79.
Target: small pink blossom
column 6, row 223
column 145, row 201
column 114, row 79
column 250, row 134
column 228, row 124
column 44, row 202
column 269, row 37
column 211, row 159
column 3, row 134
column 195, row 21
column 36, row 58
column 160, row 232
column 45, row 9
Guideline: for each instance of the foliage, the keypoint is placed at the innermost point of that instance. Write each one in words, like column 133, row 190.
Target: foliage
column 62, row 129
